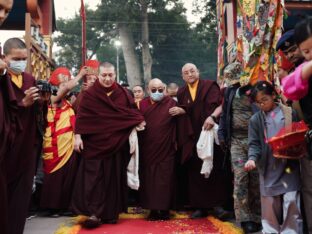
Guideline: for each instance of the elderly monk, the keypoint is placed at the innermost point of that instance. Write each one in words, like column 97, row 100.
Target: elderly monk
column 157, row 152
column 20, row 158
column 105, row 119
column 199, row 103
column 59, row 159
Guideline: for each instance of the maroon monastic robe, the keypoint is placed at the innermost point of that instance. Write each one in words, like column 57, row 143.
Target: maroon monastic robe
column 57, row 188
column 76, row 103
column 20, row 161
column 203, row 193
column 7, row 132
column 157, row 144
column 105, row 123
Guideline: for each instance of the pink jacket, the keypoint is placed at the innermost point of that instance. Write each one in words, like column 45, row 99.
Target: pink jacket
column 294, row 87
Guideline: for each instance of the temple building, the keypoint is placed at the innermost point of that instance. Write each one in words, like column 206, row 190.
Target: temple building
column 37, row 19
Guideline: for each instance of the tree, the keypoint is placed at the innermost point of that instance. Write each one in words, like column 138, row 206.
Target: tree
column 170, row 40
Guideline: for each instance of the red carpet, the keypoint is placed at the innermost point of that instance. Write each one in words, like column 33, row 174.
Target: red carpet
column 141, row 226
column 134, row 222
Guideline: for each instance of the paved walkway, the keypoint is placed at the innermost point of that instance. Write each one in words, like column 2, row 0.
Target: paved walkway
column 43, row 225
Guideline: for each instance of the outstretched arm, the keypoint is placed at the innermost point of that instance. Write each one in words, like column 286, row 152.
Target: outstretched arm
column 68, row 86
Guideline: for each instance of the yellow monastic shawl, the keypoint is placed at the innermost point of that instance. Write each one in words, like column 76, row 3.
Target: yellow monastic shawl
column 58, row 140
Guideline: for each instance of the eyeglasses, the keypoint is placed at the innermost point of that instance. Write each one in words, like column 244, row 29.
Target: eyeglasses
column 160, row 90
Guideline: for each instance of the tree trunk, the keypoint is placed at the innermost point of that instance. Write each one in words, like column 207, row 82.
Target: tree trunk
column 134, row 75
column 146, row 55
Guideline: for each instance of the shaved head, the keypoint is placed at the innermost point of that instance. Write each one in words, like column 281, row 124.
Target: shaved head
column 172, row 86
column 190, row 73
column 188, row 66
column 155, row 82
column 156, row 89
column 172, row 89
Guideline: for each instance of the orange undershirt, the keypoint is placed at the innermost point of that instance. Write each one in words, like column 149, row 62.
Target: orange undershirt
column 193, row 89
column 17, row 79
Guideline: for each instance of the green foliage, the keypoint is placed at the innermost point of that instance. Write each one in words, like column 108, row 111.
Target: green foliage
column 174, row 41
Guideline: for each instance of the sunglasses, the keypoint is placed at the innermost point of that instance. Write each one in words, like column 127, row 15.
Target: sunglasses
column 160, row 90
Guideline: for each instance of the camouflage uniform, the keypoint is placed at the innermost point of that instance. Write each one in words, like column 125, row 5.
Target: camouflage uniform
column 238, row 111
column 246, row 184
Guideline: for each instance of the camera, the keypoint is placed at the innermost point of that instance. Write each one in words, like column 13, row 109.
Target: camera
column 46, row 87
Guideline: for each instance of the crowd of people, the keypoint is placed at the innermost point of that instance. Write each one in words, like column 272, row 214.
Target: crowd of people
column 201, row 147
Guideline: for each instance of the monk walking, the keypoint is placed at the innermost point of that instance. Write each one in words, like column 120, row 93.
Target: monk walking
column 199, row 102
column 20, row 158
column 105, row 119
column 157, row 152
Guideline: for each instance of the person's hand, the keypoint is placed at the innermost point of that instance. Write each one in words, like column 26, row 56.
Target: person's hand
column 250, row 165
column 173, row 111
column 83, row 71
column 3, row 66
column 78, row 146
column 223, row 146
column 31, row 95
column 141, row 126
column 208, row 124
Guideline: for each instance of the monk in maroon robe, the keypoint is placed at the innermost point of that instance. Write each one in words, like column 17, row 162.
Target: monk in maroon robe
column 105, row 119
column 20, row 158
column 199, row 102
column 157, row 145
column 6, row 136
column 7, row 133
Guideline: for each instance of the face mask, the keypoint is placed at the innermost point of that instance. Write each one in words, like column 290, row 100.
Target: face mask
column 18, row 66
column 156, row 97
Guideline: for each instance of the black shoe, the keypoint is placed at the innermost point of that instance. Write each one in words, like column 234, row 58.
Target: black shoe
column 197, row 214
column 164, row 215
column 91, row 222
column 222, row 214
column 153, row 215
column 250, row 227
column 109, row 221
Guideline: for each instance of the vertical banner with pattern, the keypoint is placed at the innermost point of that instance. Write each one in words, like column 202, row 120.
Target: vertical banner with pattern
column 261, row 23
column 258, row 27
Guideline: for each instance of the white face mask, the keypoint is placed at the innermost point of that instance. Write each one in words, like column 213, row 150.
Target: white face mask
column 157, row 96
column 18, row 66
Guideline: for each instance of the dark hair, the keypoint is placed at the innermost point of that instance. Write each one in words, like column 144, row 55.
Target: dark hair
column 262, row 86
column 303, row 30
column 13, row 43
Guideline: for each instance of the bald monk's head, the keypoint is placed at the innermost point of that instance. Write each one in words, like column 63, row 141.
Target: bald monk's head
column 172, row 89
column 156, row 89
column 107, row 74
column 190, row 73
